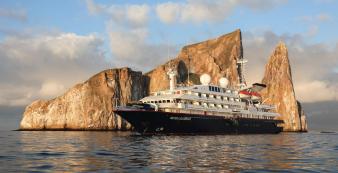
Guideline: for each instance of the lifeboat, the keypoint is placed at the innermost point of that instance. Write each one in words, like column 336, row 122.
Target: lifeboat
column 246, row 94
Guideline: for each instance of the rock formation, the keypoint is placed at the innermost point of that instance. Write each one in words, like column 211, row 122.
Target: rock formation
column 87, row 106
column 280, row 90
column 216, row 57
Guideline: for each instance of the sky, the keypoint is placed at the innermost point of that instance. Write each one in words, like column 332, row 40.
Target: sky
column 46, row 47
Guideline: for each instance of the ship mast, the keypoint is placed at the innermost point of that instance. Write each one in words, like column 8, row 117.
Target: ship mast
column 241, row 70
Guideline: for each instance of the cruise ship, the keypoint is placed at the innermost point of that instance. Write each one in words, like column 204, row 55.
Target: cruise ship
column 203, row 109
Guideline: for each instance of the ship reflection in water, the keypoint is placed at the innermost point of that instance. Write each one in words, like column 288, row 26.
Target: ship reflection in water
column 125, row 152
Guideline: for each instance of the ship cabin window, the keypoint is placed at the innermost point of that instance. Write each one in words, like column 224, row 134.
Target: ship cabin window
column 231, row 99
column 168, row 101
column 225, row 98
column 226, row 106
column 210, row 88
column 199, row 94
column 205, row 105
column 206, row 95
column 219, row 106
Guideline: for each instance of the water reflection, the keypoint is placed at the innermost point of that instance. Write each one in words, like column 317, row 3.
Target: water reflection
column 124, row 151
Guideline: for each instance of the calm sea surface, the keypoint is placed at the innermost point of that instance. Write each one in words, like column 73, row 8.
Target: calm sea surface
column 76, row 151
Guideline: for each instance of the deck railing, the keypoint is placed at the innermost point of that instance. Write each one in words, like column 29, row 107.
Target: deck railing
column 216, row 113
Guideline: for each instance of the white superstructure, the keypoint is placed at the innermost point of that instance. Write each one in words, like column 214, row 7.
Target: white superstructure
column 208, row 99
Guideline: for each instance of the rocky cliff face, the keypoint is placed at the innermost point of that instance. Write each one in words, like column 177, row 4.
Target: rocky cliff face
column 280, row 90
column 87, row 106
column 216, row 57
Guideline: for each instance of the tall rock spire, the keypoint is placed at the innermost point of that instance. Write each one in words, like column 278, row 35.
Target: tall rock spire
column 280, row 90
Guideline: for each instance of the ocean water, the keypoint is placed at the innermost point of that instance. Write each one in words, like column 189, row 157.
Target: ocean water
column 85, row 151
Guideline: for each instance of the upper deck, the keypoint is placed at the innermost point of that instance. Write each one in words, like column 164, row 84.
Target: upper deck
column 208, row 99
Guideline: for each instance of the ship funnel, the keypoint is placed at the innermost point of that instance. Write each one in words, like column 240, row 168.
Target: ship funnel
column 172, row 78
column 223, row 82
column 205, row 79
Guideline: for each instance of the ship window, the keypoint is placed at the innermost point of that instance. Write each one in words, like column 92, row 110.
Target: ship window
column 210, row 88
column 199, row 94
column 168, row 101
column 218, row 90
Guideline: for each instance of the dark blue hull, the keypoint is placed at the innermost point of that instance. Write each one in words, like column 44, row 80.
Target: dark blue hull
column 157, row 122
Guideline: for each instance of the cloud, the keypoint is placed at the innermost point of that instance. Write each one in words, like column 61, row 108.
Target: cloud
column 16, row 14
column 130, row 14
column 168, row 12
column 312, row 65
column 313, row 30
column 94, row 8
column 137, row 14
column 314, row 91
column 51, row 88
column 45, row 65
column 198, row 11
column 259, row 5
column 130, row 48
column 321, row 17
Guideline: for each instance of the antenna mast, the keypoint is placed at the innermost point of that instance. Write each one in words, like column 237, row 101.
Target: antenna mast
column 241, row 70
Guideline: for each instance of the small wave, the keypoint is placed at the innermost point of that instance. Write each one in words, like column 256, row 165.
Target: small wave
column 45, row 153
column 43, row 167
column 328, row 132
column 100, row 153
column 7, row 157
